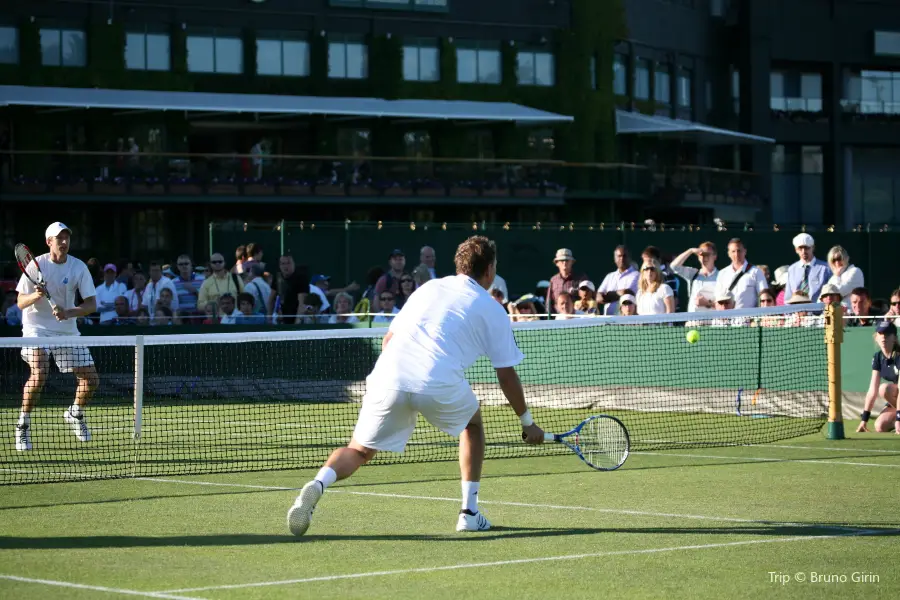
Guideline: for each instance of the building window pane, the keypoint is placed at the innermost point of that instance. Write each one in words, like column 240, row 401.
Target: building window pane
column 268, row 57
column 525, row 68
column 811, row 91
column 663, row 91
column 9, row 45
column 348, row 60
column 642, row 79
column 200, row 55
column 887, row 43
column 620, row 75
column 145, row 51
column 282, row 57
column 296, row 57
column 685, row 88
column 544, row 69
column 466, row 65
column 229, row 55
column 421, row 61
column 736, row 90
column 489, row 67
column 63, row 47
column 812, row 161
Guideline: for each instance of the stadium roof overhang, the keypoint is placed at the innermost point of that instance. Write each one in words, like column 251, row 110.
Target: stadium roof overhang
column 662, row 127
column 273, row 106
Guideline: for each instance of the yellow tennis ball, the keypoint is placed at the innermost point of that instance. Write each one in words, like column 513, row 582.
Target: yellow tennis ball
column 693, row 336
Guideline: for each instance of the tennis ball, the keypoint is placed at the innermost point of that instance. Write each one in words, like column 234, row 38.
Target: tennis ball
column 693, row 336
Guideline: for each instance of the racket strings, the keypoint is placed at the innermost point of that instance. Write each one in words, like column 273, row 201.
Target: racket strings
column 27, row 263
column 603, row 443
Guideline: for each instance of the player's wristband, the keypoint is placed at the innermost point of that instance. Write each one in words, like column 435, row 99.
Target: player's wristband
column 866, row 414
column 526, row 418
column 898, row 415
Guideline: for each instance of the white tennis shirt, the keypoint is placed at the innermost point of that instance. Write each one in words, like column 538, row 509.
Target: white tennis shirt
column 62, row 280
column 443, row 328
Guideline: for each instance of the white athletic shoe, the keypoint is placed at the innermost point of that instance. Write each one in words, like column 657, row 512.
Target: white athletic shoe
column 23, row 439
column 469, row 521
column 300, row 515
column 79, row 426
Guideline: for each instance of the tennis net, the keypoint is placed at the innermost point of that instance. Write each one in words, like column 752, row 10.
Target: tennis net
column 192, row 404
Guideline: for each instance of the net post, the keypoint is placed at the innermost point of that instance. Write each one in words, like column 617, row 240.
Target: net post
column 834, row 336
column 138, row 386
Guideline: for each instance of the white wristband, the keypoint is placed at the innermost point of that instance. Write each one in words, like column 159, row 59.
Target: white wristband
column 526, row 418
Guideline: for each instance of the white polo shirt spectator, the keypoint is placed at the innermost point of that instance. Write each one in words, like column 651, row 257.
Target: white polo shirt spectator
column 451, row 308
column 701, row 282
column 107, row 292
column 745, row 284
column 844, row 276
column 619, row 280
column 258, row 288
column 155, row 285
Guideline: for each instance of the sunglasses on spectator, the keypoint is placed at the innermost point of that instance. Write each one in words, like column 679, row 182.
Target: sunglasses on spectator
column 835, row 259
column 648, row 269
column 895, row 303
column 216, row 262
column 387, row 298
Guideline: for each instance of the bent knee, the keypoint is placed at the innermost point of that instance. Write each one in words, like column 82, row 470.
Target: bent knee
column 366, row 454
column 89, row 377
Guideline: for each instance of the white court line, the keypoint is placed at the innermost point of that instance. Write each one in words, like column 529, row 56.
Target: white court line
column 779, row 460
column 616, row 511
column 828, row 448
column 500, row 563
column 98, row 588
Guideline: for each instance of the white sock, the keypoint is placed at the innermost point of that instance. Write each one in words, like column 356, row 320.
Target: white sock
column 326, row 476
column 24, row 419
column 470, row 495
column 75, row 411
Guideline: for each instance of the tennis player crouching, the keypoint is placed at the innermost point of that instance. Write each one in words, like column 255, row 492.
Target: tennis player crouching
column 885, row 365
column 63, row 275
column 442, row 329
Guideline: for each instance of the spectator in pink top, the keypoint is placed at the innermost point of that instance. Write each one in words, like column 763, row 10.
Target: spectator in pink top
column 391, row 279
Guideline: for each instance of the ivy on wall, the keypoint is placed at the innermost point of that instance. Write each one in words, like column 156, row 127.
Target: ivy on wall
column 596, row 25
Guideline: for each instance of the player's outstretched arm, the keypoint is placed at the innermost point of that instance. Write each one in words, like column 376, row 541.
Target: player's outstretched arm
column 515, row 395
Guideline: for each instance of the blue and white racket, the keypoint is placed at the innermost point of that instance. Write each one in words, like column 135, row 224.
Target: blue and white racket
column 602, row 442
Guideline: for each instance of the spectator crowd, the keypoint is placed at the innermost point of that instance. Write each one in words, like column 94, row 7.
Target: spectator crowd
column 249, row 291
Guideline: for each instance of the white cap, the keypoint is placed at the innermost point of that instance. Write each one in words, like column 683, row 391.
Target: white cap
column 587, row 284
column 724, row 296
column 803, row 239
column 55, row 229
column 781, row 275
column 626, row 298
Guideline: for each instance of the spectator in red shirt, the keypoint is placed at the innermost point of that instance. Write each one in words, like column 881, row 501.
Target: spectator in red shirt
column 391, row 279
column 564, row 281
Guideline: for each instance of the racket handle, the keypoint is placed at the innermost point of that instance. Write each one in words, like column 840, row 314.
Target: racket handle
column 548, row 437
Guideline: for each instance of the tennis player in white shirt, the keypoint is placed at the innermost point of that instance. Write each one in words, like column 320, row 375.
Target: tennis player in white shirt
column 442, row 329
column 64, row 275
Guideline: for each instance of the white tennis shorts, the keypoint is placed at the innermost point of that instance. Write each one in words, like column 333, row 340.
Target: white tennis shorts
column 67, row 358
column 388, row 417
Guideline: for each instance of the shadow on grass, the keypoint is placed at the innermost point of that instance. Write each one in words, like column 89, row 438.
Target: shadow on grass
column 496, row 533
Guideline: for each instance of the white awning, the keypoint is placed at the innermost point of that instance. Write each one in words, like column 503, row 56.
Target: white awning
column 640, row 124
column 464, row 110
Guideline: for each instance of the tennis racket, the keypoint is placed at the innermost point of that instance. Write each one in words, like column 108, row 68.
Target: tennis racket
column 602, row 442
column 31, row 270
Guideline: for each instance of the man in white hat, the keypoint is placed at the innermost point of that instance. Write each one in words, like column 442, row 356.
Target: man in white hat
column 809, row 274
column 564, row 281
column 49, row 311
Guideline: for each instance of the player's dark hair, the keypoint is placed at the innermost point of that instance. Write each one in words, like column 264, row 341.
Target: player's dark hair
column 240, row 253
column 253, row 249
column 475, row 256
column 624, row 250
column 737, row 241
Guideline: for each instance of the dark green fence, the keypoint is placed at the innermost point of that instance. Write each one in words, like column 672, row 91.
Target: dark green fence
column 347, row 251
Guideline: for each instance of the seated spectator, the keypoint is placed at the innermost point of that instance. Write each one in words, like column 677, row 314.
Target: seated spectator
column 779, row 283
column 844, row 276
column 894, row 311
column 860, row 306
column 343, row 305
column 211, row 311
column 586, row 303
column 524, row 309
column 886, row 366
column 157, row 285
column 142, row 317
column 798, row 319
column 107, row 294
column 497, row 294
column 319, row 285
column 830, row 294
column 257, row 287
column 227, row 311
column 391, row 279
column 136, row 295
column 627, row 305
column 367, row 301
column 247, row 314
column 421, row 275
column 313, row 311
column 725, row 301
column 122, row 314
column 166, row 298
column 654, row 297
column 10, row 310
column 500, row 284
column 624, row 280
column 565, row 307
column 767, row 300
column 407, row 287
column 162, row 315
column 388, row 308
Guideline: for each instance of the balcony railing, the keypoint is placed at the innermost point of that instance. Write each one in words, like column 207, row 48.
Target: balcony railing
column 709, row 185
column 149, row 174
column 870, row 107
